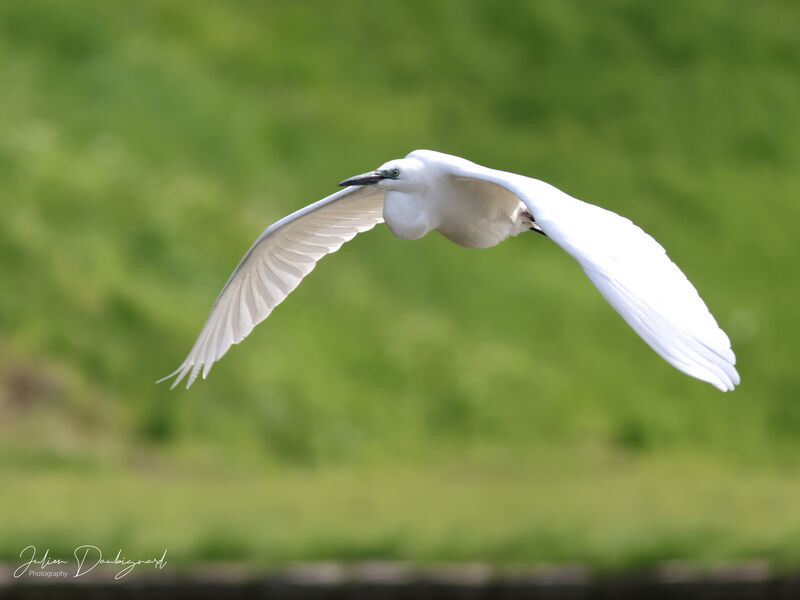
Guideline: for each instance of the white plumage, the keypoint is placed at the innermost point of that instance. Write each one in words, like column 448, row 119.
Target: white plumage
column 476, row 207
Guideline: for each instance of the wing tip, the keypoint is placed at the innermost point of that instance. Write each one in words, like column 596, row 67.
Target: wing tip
column 179, row 374
column 722, row 375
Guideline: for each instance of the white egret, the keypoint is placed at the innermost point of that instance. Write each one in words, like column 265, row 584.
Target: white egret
column 476, row 207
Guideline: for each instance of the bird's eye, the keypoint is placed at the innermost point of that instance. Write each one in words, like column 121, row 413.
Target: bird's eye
column 395, row 173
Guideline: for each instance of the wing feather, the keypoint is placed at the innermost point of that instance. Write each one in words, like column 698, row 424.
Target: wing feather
column 274, row 266
column 633, row 273
column 636, row 276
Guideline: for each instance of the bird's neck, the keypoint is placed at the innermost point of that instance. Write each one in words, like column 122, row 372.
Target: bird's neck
column 405, row 215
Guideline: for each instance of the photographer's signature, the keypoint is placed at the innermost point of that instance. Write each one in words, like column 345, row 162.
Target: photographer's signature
column 86, row 558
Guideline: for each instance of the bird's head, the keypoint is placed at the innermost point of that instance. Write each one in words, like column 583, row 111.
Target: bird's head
column 402, row 174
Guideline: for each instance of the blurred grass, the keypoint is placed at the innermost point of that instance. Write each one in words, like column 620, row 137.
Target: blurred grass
column 417, row 401
column 616, row 514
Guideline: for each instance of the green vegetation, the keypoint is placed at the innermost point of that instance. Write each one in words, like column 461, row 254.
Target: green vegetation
column 413, row 401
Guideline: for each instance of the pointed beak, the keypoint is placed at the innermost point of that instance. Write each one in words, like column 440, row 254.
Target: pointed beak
column 363, row 179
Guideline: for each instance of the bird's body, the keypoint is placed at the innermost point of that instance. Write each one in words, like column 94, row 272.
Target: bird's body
column 475, row 207
column 469, row 212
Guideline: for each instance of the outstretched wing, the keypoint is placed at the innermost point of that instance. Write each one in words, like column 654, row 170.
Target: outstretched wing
column 279, row 259
column 632, row 271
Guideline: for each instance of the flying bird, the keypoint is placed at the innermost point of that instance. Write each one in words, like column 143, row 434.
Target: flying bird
column 475, row 207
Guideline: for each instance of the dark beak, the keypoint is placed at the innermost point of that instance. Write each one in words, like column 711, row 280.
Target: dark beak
column 363, row 179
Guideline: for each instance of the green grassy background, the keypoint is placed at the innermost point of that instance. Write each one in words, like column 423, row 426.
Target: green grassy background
column 413, row 401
